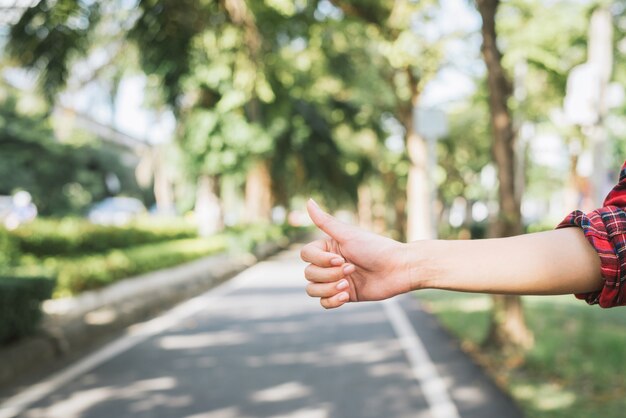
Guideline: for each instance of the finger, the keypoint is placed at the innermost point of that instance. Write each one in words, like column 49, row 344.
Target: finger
column 327, row 223
column 326, row 290
column 335, row 301
column 326, row 274
column 315, row 253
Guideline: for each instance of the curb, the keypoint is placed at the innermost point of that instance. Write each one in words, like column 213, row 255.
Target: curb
column 70, row 325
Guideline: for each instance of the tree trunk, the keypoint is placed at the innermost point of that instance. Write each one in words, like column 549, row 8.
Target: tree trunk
column 400, row 219
column 508, row 330
column 259, row 193
column 163, row 187
column 573, row 188
column 208, row 206
column 419, row 225
column 419, row 208
column 508, row 327
column 397, row 194
column 259, row 188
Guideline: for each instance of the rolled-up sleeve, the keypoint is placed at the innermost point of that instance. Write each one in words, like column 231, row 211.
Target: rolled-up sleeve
column 605, row 229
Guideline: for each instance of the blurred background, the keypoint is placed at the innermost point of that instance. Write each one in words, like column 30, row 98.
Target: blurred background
column 138, row 134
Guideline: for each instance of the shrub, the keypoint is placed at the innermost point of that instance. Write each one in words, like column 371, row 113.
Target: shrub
column 20, row 305
column 90, row 271
column 245, row 238
column 73, row 236
column 8, row 250
column 93, row 271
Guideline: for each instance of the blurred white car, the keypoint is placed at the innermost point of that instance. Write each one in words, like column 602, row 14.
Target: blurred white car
column 116, row 210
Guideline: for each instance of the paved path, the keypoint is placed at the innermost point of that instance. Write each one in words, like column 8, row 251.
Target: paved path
column 258, row 347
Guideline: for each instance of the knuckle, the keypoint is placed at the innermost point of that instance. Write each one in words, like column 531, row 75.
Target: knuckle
column 307, row 271
column 309, row 290
column 324, row 303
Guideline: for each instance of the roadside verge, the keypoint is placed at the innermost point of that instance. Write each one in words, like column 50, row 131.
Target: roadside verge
column 73, row 325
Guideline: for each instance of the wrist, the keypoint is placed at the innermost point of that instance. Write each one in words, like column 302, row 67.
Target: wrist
column 424, row 263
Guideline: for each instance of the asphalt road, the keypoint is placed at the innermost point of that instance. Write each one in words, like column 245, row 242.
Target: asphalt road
column 259, row 347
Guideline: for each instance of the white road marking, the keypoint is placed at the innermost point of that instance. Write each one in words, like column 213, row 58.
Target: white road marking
column 135, row 335
column 433, row 386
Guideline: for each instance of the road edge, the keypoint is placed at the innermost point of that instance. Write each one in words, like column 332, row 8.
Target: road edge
column 79, row 324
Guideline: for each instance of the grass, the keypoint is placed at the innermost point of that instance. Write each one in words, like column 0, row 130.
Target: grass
column 574, row 369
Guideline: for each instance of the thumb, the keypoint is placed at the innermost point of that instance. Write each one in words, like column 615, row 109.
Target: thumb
column 327, row 223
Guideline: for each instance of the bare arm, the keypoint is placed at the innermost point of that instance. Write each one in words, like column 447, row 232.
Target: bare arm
column 356, row 265
column 544, row 263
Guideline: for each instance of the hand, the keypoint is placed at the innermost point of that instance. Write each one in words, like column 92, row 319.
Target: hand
column 352, row 264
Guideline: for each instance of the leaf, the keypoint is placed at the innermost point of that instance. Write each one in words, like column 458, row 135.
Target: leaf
column 231, row 100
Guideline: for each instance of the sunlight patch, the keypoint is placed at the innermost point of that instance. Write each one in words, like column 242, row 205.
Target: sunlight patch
column 545, row 397
column 75, row 405
column 283, row 392
column 202, row 340
column 230, row 412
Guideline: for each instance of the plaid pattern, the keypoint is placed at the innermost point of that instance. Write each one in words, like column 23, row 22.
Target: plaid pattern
column 605, row 229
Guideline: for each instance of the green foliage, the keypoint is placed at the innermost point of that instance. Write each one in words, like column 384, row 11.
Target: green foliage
column 277, row 108
column 294, row 83
column 221, row 132
column 164, row 31
column 48, row 35
column 78, row 274
column 464, row 152
column 330, row 94
column 75, row 236
column 8, row 250
column 247, row 237
column 81, row 271
column 20, row 299
column 552, row 42
column 217, row 143
column 62, row 178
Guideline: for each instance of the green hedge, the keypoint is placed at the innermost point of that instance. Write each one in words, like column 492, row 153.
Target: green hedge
column 20, row 305
column 91, row 271
column 246, row 237
column 73, row 236
column 78, row 274
column 8, row 250
column 20, row 298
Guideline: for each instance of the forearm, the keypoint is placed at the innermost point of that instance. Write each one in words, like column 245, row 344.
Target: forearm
column 545, row 263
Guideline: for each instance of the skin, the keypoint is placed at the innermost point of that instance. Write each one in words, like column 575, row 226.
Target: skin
column 354, row 265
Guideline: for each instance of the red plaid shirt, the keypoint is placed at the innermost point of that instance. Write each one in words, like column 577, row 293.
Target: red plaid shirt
column 605, row 229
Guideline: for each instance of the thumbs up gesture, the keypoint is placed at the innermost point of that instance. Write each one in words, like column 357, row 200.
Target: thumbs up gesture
column 353, row 265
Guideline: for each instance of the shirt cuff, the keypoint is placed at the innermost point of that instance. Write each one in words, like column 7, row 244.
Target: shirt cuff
column 605, row 229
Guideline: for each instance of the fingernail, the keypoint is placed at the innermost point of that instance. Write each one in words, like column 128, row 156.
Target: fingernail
column 343, row 297
column 314, row 202
column 342, row 285
column 337, row 261
column 348, row 269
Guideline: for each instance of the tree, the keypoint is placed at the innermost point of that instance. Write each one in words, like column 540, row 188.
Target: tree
column 462, row 155
column 329, row 95
column 48, row 34
column 412, row 61
column 63, row 178
column 508, row 327
column 552, row 43
column 236, row 112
